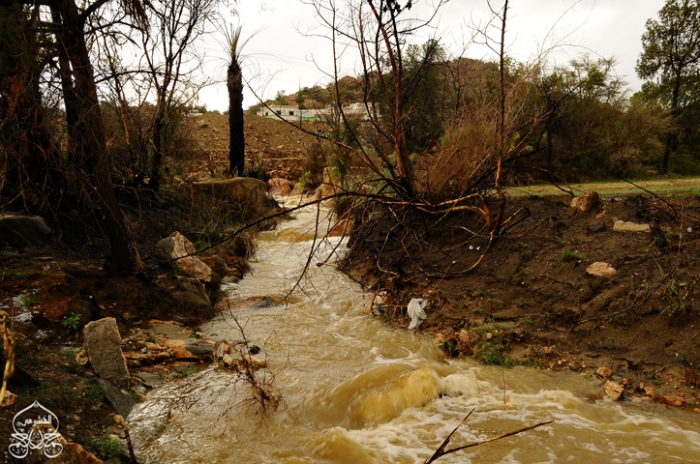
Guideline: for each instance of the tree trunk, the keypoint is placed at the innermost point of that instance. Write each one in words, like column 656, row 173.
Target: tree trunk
column 87, row 138
column 672, row 137
column 234, row 82
column 159, row 144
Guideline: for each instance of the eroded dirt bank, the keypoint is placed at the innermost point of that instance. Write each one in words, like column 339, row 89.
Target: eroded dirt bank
column 531, row 300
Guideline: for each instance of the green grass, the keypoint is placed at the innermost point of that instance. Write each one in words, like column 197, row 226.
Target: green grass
column 665, row 187
column 528, row 321
column 619, row 320
column 570, row 255
column 492, row 353
column 478, row 293
column 27, row 301
column 107, row 447
column 71, row 322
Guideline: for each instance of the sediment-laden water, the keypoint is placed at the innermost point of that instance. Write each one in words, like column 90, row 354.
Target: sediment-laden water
column 357, row 391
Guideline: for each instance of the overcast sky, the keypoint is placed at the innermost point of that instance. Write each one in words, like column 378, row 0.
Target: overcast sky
column 280, row 56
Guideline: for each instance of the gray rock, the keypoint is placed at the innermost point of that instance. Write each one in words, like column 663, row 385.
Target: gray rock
column 596, row 228
column 192, row 285
column 220, row 266
column 103, row 345
column 150, row 380
column 21, row 231
column 199, row 347
column 120, row 401
column 266, row 302
column 192, row 302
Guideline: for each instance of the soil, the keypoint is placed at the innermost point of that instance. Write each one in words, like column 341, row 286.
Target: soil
column 274, row 147
column 531, row 301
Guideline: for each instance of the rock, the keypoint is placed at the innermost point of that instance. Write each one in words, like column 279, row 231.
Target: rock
column 202, row 124
column 265, row 302
column 596, row 228
column 199, row 348
column 21, row 231
column 601, row 269
column 341, row 228
column 463, row 336
column 614, row 390
column 677, row 401
column 586, row 202
column 103, row 345
column 220, row 266
column 10, row 399
column 195, row 287
column 176, row 247
column 150, row 380
column 193, row 303
column 604, row 372
column 121, row 402
column 280, row 186
column 245, row 194
column 323, row 190
column 624, row 226
column 298, row 189
column 649, row 391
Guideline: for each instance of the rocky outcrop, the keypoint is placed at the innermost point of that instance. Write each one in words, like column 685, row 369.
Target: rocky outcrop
column 177, row 249
column 246, row 195
column 21, row 231
column 103, row 344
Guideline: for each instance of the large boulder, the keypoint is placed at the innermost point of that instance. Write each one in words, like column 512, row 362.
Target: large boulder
column 245, row 194
column 193, row 298
column 20, row 231
column 103, row 344
column 178, row 249
column 279, row 186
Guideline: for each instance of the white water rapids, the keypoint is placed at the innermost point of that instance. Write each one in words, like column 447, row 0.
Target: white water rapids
column 356, row 391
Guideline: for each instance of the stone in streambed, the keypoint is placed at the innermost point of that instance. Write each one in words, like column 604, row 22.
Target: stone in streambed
column 103, row 345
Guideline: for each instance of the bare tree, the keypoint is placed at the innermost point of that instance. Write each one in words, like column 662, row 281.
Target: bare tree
column 172, row 55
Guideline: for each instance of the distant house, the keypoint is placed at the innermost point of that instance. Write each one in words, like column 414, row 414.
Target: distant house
column 293, row 113
column 286, row 112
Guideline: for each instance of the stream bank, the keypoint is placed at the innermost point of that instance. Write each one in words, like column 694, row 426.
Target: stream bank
column 533, row 301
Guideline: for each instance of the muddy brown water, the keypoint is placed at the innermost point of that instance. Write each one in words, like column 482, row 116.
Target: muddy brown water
column 357, row 391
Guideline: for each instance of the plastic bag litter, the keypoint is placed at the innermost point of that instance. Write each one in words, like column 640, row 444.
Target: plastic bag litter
column 416, row 312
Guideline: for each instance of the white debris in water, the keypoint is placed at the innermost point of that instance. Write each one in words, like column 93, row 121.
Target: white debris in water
column 416, row 311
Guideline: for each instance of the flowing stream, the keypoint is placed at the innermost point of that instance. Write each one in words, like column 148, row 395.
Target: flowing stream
column 356, row 391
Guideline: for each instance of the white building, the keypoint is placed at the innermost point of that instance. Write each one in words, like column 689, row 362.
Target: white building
column 293, row 113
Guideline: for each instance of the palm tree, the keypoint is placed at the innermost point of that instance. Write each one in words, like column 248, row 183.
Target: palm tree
column 234, row 83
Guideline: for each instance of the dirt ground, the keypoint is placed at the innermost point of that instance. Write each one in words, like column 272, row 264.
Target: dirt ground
column 532, row 302
column 273, row 146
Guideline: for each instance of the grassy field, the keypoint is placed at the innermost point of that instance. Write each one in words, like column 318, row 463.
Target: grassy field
column 666, row 187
